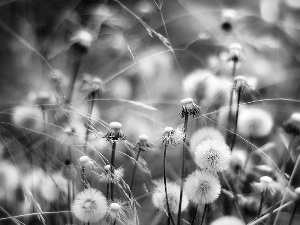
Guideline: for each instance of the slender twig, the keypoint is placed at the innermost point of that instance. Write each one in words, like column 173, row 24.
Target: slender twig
column 293, row 213
column 195, row 214
column 239, row 91
column 229, row 118
column 204, row 212
column 134, row 169
column 165, row 184
column 287, row 155
column 182, row 167
column 260, row 205
column 265, row 216
column 288, row 186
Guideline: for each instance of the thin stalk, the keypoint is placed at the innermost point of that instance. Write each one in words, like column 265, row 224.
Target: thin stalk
column 182, row 167
column 288, row 186
column 112, row 169
column 165, row 184
column 287, row 155
column 204, row 212
column 92, row 100
column 169, row 220
column 107, row 190
column 76, row 68
column 293, row 213
column 135, row 165
column 83, row 177
column 260, row 205
column 45, row 139
column 230, row 106
column 194, row 217
column 265, row 216
column 271, row 213
column 236, row 117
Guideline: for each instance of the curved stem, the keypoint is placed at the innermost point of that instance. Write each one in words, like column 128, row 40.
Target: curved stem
column 236, row 117
column 83, row 177
column 204, row 212
column 165, row 184
column 287, row 155
column 135, row 164
column 293, row 213
column 194, row 217
column 288, row 186
column 230, row 106
column 260, row 205
column 265, row 216
column 182, row 167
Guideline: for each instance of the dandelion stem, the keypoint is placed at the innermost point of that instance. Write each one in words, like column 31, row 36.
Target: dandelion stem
column 182, row 167
column 236, row 117
column 287, row 155
column 83, row 177
column 260, row 205
column 293, row 213
column 265, row 216
column 165, row 184
column 204, row 212
column 112, row 169
column 92, row 98
column 230, row 106
column 134, row 170
column 288, row 186
column 76, row 68
column 194, row 217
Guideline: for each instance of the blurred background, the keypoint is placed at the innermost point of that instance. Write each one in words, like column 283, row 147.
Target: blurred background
column 149, row 54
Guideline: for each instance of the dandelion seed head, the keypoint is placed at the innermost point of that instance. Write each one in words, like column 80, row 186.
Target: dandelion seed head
column 115, row 125
column 159, row 197
column 82, row 40
column 43, row 98
column 9, row 180
column 228, row 220
column 115, row 206
column 241, row 83
column 114, row 177
column 203, row 134
column 189, row 108
column 107, row 167
column 235, row 52
column 254, row 122
column 264, row 168
column 143, row 143
column 297, row 191
column 292, row 125
column 237, row 160
column 115, row 132
column 85, row 161
column 266, row 179
column 89, row 206
column 228, row 15
column 28, row 117
column 168, row 136
column 212, row 155
column 266, row 186
column 143, row 137
column 53, row 186
column 202, row 187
